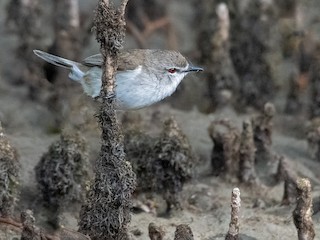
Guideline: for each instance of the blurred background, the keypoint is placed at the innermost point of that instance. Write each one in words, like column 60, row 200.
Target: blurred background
column 253, row 52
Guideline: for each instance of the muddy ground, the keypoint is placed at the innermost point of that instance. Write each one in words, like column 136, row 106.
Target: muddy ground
column 206, row 198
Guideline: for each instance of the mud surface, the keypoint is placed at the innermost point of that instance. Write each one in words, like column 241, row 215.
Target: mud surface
column 206, row 198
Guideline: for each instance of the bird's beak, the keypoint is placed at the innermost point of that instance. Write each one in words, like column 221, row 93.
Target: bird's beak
column 192, row 68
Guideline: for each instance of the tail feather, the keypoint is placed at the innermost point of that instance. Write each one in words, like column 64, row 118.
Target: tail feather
column 89, row 79
column 55, row 60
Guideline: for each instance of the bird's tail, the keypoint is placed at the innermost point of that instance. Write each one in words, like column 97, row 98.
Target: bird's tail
column 75, row 73
column 55, row 60
column 90, row 79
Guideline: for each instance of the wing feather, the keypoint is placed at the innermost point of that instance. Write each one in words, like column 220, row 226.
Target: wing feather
column 93, row 61
column 127, row 60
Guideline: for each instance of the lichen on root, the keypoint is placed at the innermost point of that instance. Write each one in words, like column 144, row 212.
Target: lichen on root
column 163, row 163
column 9, row 175
column 155, row 232
column 234, row 226
column 302, row 214
column 262, row 125
column 225, row 152
column 183, row 232
column 247, row 173
column 173, row 163
column 106, row 212
column 62, row 174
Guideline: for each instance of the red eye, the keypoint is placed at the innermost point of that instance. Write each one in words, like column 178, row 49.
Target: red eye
column 172, row 70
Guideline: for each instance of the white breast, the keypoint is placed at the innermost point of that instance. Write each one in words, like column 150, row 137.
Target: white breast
column 135, row 89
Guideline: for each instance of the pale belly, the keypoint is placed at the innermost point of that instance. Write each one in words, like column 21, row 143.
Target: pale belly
column 131, row 96
column 136, row 93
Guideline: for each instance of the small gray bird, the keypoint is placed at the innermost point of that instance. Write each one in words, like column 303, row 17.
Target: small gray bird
column 144, row 76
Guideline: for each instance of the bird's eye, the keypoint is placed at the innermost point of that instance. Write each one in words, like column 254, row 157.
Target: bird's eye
column 172, row 70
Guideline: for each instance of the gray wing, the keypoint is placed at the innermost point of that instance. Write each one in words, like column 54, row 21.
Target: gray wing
column 127, row 60
column 94, row 60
